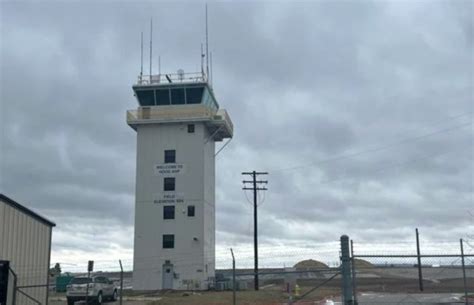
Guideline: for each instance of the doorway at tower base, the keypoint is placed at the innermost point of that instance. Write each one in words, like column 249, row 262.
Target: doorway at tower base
column 169, row 278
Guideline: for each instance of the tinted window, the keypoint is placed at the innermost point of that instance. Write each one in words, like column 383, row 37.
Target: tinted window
column 191, row 210
column 190, row 128
column 168, row 212
column 162, row 97
column 169, row 184
column 194, row 95
column 177, row 96
column 146, row 97
column 170, row 156
column 168, row 241
column 102, row 280
column 81, row 280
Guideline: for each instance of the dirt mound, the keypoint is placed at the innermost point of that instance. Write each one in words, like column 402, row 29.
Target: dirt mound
column 362, row 264
column 310, row 264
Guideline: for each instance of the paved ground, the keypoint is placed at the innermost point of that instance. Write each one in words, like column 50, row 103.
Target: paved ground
column 402, row 298
column 273, row 297
column 126, row 301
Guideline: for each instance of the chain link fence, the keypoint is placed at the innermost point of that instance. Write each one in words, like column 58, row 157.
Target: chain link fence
column 428, row 274
column 345, row 272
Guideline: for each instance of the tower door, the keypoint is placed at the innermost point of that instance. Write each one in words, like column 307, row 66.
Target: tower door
column 168, row 275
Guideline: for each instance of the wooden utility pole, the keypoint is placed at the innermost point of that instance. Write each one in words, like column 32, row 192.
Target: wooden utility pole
column 255, row 187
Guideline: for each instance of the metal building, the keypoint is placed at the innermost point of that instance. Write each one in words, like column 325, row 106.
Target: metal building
column 25, row 241
column 177, row 122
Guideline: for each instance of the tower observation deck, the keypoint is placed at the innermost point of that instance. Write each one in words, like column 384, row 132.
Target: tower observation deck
column 179, row 98
column 177, row 121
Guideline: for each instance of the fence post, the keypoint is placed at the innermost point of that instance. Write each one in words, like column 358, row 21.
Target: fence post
column 346, row 271
column 121, row 281
column 14, row 286
column 464, row 272
column 87, row 287
column 354, row 290
column 233, row 278
column 420, row 273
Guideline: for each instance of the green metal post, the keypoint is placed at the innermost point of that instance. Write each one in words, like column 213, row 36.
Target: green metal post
column 466, row 297
column 347, row 292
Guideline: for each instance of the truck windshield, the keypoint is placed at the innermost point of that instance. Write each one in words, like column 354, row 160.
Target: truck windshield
column 81, row 280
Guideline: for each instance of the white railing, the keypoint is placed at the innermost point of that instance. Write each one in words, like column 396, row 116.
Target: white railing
column 179, row 113
column 193, row 77
column 225, row 117
column 170, row 113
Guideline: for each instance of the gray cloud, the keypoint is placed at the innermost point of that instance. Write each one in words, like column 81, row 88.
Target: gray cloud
column 303, row 82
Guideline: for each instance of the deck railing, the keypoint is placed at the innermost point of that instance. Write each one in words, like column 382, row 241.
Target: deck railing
column 179, row 113
column 170, row 112
column 225, row 117
column 193, row 77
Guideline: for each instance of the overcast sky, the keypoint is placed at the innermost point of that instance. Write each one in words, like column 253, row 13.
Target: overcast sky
column 362, row 113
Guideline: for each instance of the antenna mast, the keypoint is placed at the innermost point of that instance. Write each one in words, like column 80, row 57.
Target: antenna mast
column 151, row 45
column 211, row 68
column 202, row 60
column 207, row 49
column 141, row 57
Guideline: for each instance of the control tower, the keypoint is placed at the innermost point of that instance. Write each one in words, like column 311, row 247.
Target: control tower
column 178, row 121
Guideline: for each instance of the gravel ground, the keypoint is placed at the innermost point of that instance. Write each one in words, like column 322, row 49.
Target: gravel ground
column 126, row 301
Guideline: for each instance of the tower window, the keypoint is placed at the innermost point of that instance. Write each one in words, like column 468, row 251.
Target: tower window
column 162, row 97
column 194, row 95
column 146, row 97
column 170, row 156
column 190, row 128
column 168, row 212
column 191, row 211
column 169, row 184
column 168, row 241
column 177, row 96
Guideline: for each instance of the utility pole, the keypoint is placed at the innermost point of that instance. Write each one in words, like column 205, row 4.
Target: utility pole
column 255, row 188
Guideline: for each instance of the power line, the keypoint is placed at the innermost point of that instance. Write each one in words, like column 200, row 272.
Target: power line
column 375, row 149
column 390, row 166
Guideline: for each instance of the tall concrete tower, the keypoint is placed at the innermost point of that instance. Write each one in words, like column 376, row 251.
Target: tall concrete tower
column 178, row 121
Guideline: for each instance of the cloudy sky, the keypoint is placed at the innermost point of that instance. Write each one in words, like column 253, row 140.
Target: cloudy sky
column 362, row 113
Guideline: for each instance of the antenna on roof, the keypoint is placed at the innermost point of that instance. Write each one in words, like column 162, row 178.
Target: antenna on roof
column 151, row 45
column 181, row 74
column 141, row 57
column 202, row 61
column 207, row 49
column 159, row 65
column 211, row 68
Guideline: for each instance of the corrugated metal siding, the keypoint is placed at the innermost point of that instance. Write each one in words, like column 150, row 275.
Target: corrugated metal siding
column 25, row 242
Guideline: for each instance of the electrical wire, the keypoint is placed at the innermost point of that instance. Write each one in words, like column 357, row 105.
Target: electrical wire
column 375, row 149
column 391, row 166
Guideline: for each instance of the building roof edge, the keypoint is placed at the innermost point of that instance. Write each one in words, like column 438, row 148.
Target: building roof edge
column 24, row 209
